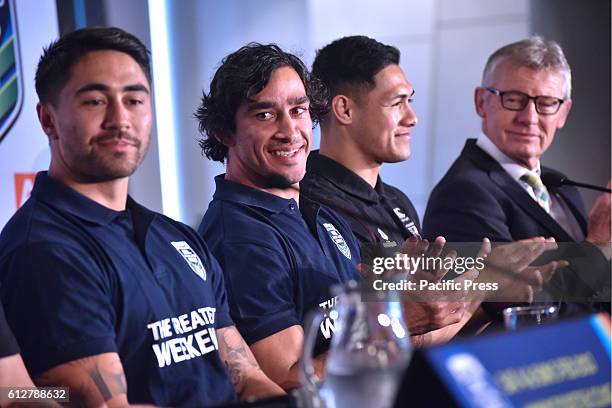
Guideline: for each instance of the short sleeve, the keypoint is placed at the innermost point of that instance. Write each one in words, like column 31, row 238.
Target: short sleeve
column 8, row 344
column 222, row 315
column 59, row 304
column 260, row 290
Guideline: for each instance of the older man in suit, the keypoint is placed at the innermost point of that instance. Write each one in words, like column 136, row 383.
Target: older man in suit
column 495, row 188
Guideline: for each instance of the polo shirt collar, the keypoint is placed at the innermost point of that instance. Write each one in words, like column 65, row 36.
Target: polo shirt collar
column 227, row 190
column 59, row 195
column 344, row 178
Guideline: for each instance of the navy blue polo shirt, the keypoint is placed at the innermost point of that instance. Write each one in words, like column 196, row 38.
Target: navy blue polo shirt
column 79, row 279
column 279, row 260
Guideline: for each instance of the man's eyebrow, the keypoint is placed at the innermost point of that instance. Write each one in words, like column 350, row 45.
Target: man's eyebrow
column 403, row 95
column 136, row 88
column 299, row 100
column 103, row 87
column 256, row 105
column 92, row 87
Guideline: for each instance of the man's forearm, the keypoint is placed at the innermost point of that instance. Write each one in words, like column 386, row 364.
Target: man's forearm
column 248, row 378
column 97, row 380
column 284, row 367
column 258, row 385
column 294, row 378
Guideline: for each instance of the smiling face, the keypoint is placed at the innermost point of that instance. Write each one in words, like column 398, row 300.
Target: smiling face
column 273, row 134
column 100, row 123
column 522, row 135
column 383, row 118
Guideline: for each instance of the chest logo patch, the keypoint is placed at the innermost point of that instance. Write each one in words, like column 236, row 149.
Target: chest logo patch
column 192, row 259
column 335, row 235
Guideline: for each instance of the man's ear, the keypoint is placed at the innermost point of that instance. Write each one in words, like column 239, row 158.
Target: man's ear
column 46, row 117
column 342, row 109
column 564, row 112
column 479, row 101
column 225, row 138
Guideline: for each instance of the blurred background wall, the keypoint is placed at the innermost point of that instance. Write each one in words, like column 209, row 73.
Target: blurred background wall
column 444, row 45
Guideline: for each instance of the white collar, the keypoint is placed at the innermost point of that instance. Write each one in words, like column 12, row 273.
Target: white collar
column 515, row 170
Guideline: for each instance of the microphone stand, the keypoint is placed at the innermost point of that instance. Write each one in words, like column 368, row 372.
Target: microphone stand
column 556, row 180
column 584, row 185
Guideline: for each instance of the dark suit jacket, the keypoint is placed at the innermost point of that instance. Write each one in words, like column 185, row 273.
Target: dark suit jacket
column 477, row 198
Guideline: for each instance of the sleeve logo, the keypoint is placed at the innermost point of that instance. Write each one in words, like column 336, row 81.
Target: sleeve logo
column 338, row 239
column 189, row 255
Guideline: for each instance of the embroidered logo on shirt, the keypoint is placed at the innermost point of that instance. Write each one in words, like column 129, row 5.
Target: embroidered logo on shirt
column 408, row 223
column 338, row 239
column 383, row 235
column 193, row 260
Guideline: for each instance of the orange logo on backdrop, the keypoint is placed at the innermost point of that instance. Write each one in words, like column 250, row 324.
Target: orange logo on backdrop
column 24, row 182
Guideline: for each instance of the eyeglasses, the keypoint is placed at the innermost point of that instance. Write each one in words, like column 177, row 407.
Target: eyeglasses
column 517, row 101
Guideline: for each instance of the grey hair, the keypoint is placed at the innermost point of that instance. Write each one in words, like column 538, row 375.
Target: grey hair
column 535, row 53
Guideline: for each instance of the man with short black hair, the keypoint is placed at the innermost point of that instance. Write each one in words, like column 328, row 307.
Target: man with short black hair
column 369, row 122
column 118, row 303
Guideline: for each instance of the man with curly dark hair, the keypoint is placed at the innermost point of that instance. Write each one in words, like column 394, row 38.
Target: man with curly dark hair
column 280, row 252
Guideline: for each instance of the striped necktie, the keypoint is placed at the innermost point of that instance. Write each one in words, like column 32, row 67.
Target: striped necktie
column 534, row 183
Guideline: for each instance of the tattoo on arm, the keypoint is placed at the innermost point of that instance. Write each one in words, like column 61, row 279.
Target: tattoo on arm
column 237, row 357
column 120, row 381
column 110, row 380
column 91, row 379
column 95, row 375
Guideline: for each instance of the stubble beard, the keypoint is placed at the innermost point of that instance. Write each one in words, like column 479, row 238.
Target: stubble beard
column 95, row 167
column 279, row 181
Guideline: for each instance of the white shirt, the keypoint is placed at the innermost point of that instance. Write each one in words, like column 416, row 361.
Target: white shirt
column 558, row 208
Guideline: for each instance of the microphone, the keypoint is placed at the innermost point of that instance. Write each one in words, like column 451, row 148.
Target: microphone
column 557, row 180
